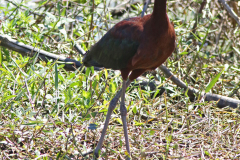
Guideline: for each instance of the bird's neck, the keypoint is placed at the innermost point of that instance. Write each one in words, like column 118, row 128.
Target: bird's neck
column 160, row 8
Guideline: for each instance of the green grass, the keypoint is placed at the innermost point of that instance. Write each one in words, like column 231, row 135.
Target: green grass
column 47, row 112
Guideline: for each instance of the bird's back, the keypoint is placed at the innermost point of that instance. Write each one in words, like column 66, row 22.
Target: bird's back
column 117, row 46
column 135, row 44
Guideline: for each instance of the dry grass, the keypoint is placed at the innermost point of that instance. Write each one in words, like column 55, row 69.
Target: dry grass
column 48, row 112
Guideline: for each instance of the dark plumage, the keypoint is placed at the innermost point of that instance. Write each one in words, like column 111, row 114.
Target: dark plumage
column 133, row 46
column 122, row 50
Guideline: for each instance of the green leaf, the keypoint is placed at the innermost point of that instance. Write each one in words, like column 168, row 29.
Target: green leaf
column 87, row 71
column 183, row 53
column 103, row 110
column 207, row 153
column 106, row 73
column 236, row 50
column 92, row 69
column 134, row 110
column 119, row 120
column 138, row 123
column 86, row 94
column 235, row 69
column 212, row 83
column 73, row 84
column 2, row 8
column 19, row 68
column 112, row 87
column 33, row 123
column 9, row 97
column 5, row 66
column 59, row 8
column 152, row 132
column 63, row 12
column 41, row 3
column 156, row 93
column 50, row 15
column 71, row 76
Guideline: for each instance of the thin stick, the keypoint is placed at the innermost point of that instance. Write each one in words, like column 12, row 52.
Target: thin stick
column 91, row 25
column 230, row 11
column 145, row 7
column 72, row 65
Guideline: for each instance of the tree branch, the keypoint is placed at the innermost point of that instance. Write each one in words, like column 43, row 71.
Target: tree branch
column 222, row 101
column 27, row 50
column 72, row 65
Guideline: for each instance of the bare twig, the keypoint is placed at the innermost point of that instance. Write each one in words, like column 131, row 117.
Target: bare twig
column 218, row 36
column 145, row 7
column 24, row 8
column 28, row 94
column 74, row 140
column 72, row 65
column 230, row 11
column 44, row 96
column 79, row 49
column 222, row 101
column 203, row 4
column 91, row 25
column 27, row 50
column 193, row 93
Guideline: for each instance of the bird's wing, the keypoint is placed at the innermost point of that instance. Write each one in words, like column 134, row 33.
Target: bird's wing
column 117, row 46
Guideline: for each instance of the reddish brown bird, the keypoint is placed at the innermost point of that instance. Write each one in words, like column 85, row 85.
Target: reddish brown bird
column 133, row 46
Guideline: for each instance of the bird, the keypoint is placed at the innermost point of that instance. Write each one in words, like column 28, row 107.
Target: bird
column 133, row 46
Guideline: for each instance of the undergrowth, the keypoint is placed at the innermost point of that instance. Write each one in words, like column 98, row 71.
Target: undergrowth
column 47, row 112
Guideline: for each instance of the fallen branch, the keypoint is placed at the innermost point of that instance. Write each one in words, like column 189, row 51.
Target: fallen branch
column 72, row 65
column 222, row 101
column 27, row 50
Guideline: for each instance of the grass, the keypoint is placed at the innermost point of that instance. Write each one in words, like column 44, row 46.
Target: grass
column 47, row 112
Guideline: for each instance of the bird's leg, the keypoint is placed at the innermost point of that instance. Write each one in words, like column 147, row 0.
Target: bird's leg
column 123, row 111
column 111, row 107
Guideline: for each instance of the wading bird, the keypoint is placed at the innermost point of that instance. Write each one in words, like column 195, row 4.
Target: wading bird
column 132, row 46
